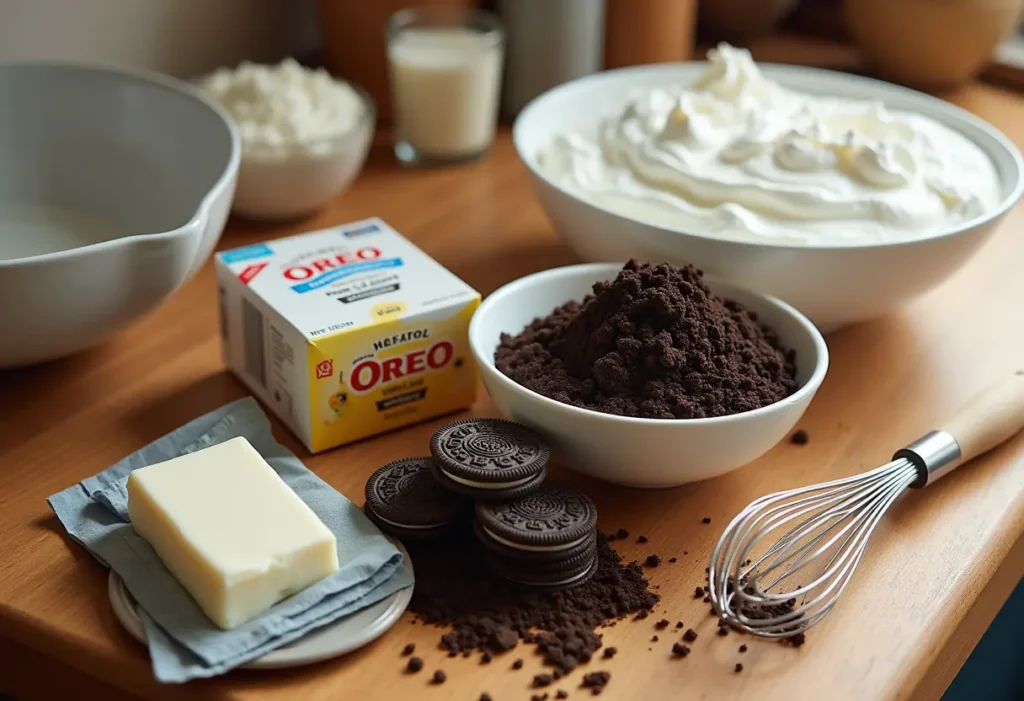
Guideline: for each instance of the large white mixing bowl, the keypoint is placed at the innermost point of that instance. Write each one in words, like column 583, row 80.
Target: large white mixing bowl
column 114, row 188
column 832, row 284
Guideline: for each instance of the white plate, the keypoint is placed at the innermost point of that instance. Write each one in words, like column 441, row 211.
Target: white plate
column 343, row 636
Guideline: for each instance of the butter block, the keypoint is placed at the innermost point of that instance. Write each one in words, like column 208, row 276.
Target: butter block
column 230, row 530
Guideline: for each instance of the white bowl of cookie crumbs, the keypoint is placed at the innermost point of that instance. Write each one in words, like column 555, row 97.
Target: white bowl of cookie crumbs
column 647, row 375
column 305, row 135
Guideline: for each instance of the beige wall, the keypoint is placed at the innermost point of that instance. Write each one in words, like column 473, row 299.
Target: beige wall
column 181, row 37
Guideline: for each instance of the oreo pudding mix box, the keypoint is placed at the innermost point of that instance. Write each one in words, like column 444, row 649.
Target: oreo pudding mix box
column 347, row 332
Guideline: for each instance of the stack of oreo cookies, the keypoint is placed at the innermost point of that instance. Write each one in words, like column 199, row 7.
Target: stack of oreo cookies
column 533, row 532
column 545, row 539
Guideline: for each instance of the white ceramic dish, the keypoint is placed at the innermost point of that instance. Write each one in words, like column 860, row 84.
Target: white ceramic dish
column 276, row 188
column 338, row 638
column 833, row 285
column 641, row 452
column 114, row 189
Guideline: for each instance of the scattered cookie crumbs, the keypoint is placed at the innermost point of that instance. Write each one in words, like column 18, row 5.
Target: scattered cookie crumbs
column 596, row 680
column 414, row 665
column 800, row 437
column 738, row 668
column 561, row 694
column 723, row 632
column 698, row 592
column 518, row 664
column 622, row 534
column 439, row 677
column 542, row 680
column 662, row 624
column 680, row 650
column 706, row 519
column 408, row 650
column 609, row 652
column 652, row 561
column 452, row 653
column 486, row 657
column 485, row 697
column 679, row 624
column 641, row 539
column 539, row 697
column 690, row 635
column 484, row 614
column 743, row 648
column 644, row 613
column 673, row 559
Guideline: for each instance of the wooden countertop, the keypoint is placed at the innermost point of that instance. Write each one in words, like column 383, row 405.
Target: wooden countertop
column 936, row 572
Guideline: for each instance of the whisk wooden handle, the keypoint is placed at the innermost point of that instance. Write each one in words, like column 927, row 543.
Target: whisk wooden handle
column 988, row 418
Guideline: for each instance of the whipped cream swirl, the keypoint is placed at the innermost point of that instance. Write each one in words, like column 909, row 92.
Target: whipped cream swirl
column 739, row 156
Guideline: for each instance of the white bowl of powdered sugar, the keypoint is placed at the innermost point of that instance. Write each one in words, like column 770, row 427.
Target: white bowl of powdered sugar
column 842, row 195
column 305, row 135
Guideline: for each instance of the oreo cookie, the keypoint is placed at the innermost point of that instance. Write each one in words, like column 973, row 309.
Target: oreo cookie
column 405, row 500
column 553, row 519
column 529, row 558
column 489, row 459
column 545, row 539
column 561, row 574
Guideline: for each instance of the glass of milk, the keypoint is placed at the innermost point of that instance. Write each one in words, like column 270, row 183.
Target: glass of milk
column 445, row 66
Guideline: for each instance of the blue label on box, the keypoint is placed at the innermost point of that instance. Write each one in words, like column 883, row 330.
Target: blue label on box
column 352, row 233
column 340, row 273
column 237, row 255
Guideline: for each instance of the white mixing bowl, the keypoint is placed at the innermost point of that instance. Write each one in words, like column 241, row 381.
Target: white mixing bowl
column 832, row 284
column 114, row 188
column 641, row 452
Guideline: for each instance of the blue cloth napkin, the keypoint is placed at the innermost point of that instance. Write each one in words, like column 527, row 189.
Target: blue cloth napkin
column 183, row 643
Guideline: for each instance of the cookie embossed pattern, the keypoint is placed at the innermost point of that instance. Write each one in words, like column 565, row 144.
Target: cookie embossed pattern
column 405, row 500
column 489, row 459
column 555, row 515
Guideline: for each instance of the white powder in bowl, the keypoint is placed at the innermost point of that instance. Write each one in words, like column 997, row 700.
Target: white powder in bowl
column 284, row 109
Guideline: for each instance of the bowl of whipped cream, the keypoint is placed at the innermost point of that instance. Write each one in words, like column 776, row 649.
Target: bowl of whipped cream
column 844, row 196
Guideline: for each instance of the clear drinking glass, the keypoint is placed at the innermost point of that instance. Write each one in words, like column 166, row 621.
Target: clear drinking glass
column 445, row 66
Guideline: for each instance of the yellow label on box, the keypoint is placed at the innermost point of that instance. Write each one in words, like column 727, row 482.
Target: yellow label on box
column 347, row 332
column 376, row 378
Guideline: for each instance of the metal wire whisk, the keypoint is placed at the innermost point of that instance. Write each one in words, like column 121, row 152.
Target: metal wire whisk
column 780, row 589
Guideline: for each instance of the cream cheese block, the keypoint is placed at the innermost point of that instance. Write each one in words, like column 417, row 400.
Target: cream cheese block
column 230, row 530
